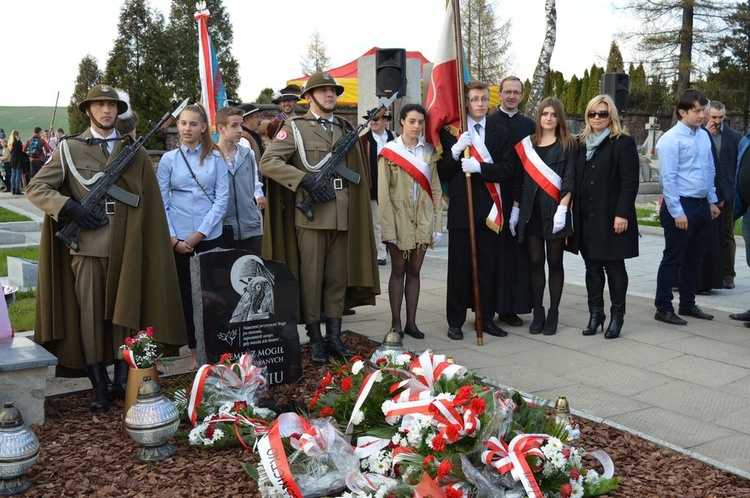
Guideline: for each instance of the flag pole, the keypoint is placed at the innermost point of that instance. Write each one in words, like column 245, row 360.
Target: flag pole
column 54, row 112
column 469, row 197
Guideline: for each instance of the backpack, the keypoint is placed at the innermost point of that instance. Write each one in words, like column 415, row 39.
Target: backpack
column 35, row 147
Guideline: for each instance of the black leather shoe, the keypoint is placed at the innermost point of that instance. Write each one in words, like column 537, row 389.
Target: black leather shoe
column 494, row 330
column 669, row 317
column 728, row 282
column 381, row 262
column 455, row 333
column 415, row 333
column 510, row 318
column 747, row 324
column 695, row 312
column 743, row 317
column 349, row 311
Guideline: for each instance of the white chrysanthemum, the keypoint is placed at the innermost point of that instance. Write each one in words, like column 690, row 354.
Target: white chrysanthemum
column 218, row 434
column 574, row 459
column 417, row 371
column 555, row 443
column 577, row 490
column 573, row 432
column 358, row 417
column 558, row 461
column 428, row 440
column 196, row 435
column 357, row 367
column 402, row 359
column 396, row 439
column 592, row 477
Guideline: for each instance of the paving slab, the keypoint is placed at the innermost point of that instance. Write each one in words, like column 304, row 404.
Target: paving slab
column 699, row 402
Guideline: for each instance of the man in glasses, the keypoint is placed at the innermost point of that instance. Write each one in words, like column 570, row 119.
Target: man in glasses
column 489, row 163
column 686, row 169
column 373, row 142
column 514, row 291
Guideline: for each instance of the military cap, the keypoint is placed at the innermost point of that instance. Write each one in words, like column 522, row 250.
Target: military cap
column 248, row 109
column 103, row 92
column 322, row 79
column 289, row 92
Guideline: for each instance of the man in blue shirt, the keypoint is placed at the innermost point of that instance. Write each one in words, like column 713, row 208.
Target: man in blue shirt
column 687, row 178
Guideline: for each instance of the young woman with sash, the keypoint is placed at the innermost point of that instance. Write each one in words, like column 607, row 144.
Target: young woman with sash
column 540, row 215
column 409, row 199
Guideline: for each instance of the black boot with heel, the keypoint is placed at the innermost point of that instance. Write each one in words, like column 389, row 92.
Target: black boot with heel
column 550, row 324
column 595, row 321
column 318, row 353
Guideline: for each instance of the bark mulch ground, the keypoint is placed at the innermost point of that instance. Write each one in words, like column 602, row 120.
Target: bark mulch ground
column 83, row 454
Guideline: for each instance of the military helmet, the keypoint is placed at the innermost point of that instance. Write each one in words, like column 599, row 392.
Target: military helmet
column 322, row 79
column 103, row 92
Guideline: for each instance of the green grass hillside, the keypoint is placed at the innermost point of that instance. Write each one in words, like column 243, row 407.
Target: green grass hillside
column 24, row 119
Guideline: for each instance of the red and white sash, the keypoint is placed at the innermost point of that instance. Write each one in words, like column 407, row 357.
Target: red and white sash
column 478, row 151
column 396, row 153
column 542, row 174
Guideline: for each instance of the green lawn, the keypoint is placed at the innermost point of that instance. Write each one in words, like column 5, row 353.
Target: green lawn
column 24, row 119
column 8, row 215
column 647, row 216
column 22, row 311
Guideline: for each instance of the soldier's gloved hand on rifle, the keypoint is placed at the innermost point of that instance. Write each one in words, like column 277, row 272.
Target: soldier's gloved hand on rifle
column 85, row 218
column 319, row 193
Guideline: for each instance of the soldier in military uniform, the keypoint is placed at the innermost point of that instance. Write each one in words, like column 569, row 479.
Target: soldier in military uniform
column 334, row 255
column 286, row 99
column 122, row 279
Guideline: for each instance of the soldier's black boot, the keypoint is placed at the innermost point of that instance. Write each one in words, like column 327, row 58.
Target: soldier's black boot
column 120, row 382
column 334, row 345
column 100, row 387
column 317, row 348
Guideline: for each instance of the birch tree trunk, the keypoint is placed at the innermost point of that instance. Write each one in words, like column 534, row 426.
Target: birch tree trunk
column 545, row 55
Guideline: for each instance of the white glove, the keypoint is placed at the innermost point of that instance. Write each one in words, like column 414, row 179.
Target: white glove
column 513, row 222
column 464, row 140
column 436, row 236
column 558, row 222
column 470, row 165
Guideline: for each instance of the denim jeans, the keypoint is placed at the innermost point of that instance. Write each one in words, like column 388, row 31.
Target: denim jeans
column 15, row 178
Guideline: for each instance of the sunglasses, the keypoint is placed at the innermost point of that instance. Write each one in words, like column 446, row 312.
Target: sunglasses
column 601, row 114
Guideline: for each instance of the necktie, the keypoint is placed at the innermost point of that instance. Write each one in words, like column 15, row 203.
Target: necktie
column 478, row 129
column 328, row 127
column 105, row 148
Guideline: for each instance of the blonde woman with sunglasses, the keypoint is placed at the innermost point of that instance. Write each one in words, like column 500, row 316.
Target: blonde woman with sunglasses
column 604, row 209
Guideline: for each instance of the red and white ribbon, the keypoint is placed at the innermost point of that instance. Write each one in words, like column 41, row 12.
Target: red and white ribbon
column 543, row 175
column 479, row 151
column 512, row 458
column 272, row 455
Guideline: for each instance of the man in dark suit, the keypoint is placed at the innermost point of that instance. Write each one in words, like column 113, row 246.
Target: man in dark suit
column 489, row 163
column 372, row 143
column 725, row 144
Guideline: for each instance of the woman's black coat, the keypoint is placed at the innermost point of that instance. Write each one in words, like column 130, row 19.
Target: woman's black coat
column 613, row 177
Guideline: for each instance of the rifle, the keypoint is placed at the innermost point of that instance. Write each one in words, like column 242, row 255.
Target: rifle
column 70, row 234
column 54, row 112
column 332, row 163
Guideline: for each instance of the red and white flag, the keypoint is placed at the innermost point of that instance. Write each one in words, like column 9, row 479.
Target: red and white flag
column 213, row 93
column 442, row 95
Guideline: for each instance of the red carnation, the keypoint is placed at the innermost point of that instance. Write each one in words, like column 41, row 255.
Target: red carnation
column 381, row 362
column 326, row 412
column 129, row 341
column 210, row 431
column 226, row 358
column 463, row 395
column 451, row 432
column 314, row 401
column 355, row 358
column 344, row 370
column 239, row 405
column 438, row 443
column 478, row 405
column 346, row 384
column 150, row 331
column 453, row 493
column 566, row 490
column 574, row 474
column 444, row 469
column 326, row 380
column 427, row 461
